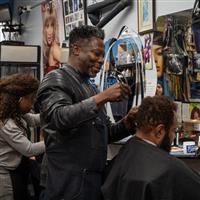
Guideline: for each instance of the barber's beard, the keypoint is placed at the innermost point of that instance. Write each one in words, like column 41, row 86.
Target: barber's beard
column 166, row 143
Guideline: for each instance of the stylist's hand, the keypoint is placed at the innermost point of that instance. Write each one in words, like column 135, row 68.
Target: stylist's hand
column 116, row 92
column 130, row 119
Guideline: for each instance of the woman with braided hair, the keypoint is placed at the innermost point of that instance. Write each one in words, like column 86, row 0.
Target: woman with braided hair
column 17, row 94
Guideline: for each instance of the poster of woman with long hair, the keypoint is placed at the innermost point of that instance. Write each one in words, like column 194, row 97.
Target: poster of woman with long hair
column 51, row 43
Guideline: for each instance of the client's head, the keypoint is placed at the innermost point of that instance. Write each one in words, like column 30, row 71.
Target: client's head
column 157, row 121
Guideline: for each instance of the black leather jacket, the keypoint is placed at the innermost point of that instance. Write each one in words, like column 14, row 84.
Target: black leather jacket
column 76, row 131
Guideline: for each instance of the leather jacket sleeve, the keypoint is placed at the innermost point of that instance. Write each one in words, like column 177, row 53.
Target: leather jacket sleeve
column 70, row 116
column 60, row 104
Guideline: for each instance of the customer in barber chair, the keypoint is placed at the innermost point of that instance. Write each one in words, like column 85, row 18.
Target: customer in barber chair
column 143, row 169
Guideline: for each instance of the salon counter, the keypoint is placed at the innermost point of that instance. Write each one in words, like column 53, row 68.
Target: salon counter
column 193, row 161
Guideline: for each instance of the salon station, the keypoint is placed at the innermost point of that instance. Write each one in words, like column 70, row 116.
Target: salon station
column 153, row 46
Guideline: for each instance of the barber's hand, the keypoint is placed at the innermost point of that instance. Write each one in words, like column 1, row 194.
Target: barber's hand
column 117, row 92
column 130, row 118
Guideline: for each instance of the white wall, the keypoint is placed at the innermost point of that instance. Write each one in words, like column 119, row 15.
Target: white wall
column 32, row 21
column 164, row 7
column 126, row 17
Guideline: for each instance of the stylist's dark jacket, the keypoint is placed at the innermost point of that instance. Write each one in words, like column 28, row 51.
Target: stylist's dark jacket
column 76, row 135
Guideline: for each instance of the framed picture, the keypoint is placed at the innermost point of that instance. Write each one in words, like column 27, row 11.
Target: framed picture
column 74, row 13
column 146, row 16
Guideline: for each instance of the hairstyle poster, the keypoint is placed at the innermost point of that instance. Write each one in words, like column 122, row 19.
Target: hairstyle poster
column 191, row 111
column 194, row 111
column 51, row 42
column 176, row 56
column 150, row 66
column 147, row 52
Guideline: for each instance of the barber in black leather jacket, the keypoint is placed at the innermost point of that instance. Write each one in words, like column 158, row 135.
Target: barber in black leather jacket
column 76, row 127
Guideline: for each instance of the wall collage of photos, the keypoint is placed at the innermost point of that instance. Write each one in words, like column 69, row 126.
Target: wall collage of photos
column 73, row 11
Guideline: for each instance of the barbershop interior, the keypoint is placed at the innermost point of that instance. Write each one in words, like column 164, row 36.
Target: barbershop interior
column 129, row 129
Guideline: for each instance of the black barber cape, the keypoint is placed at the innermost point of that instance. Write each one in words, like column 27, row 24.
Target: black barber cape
column 142, row 171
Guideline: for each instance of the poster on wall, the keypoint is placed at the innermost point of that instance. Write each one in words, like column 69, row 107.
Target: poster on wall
column 73, row 12
column 176, row 56
column 194, row 109
column 147, row 52
column 51, row 41
column 150, row 67
column 191, row 111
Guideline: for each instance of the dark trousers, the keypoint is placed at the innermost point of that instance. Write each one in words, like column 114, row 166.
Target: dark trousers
column 25, row 180
column 84, row 186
